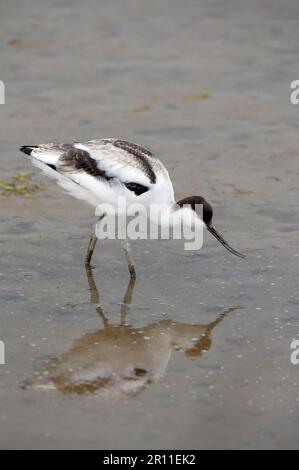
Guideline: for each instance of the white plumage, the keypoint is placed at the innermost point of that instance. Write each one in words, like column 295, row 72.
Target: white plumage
column 120, row 163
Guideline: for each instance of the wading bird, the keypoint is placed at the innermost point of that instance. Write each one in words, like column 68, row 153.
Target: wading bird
column 100, row 171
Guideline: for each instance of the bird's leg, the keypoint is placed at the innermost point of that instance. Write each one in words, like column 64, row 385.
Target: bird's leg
column 127, row 301
column 91, row 246
column 92, row 242
column 95, row 297
column 126, row 247
column 94, row 293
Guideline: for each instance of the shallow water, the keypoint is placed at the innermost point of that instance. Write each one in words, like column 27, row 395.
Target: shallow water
column 199, row 357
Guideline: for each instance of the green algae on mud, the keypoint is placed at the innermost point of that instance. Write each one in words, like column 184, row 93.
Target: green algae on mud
column 19, row 184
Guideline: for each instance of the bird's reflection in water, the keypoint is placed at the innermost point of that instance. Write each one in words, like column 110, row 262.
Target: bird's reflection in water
column 120, row 360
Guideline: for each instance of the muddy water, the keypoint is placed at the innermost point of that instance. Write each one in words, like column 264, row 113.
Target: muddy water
column 197, row 354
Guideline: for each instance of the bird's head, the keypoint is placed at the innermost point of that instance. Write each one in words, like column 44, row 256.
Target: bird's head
column 204, row 212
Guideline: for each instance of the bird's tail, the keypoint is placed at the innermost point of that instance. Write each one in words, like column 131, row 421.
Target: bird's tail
column 28, row 149
column 45, row 158
column 45, row 153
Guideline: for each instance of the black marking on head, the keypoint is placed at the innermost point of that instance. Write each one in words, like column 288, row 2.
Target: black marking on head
column 140, row 153
column 136, row 188
column 78, row 159
column 28, row 148
column 193, row 201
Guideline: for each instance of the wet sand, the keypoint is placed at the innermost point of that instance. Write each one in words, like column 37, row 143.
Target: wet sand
column 205, row 85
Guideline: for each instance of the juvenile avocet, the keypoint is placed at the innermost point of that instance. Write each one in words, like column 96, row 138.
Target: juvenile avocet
column 99, row 171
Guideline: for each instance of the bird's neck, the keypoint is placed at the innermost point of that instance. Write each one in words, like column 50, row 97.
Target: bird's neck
column 173, row 214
